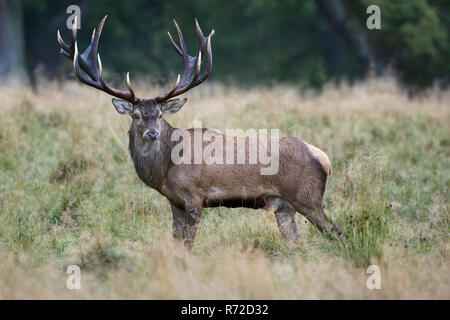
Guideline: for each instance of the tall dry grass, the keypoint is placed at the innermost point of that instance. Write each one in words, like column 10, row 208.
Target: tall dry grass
column 69, row 195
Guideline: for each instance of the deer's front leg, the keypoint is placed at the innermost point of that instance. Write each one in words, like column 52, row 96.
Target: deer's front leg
column 192, row 215
column 178, row 222
column 185, row 223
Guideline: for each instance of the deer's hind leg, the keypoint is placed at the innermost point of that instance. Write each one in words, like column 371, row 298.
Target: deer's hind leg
column 285, row 215
column 317, row 216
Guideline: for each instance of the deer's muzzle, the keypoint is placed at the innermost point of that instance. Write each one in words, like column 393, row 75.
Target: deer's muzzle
column 150, row 134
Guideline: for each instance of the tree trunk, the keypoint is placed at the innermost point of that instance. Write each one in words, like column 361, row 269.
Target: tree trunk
column 12, row 48
column 334, row 11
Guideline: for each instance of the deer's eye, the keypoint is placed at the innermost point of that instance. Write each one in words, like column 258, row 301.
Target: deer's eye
column 136, row 115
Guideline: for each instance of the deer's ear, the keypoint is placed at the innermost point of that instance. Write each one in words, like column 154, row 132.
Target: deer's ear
column 172, row 106
column 122, row 106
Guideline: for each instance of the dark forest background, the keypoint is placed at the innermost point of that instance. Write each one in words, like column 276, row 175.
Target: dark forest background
column 264, row 41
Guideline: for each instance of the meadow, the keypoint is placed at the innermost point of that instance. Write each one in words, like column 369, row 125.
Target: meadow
column 69, row 195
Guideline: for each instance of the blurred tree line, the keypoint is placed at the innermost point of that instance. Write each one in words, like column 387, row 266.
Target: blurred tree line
column 307, row 42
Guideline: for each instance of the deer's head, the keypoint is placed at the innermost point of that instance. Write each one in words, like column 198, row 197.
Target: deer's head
column 146, row 113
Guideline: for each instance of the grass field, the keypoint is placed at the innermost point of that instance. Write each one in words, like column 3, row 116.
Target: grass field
column 69, row 195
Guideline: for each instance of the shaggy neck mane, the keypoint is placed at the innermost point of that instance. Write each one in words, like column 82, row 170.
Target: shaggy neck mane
column 151, row 166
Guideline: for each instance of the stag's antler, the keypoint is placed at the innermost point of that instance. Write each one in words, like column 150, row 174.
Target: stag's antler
column 190, row 76
column 88, row 66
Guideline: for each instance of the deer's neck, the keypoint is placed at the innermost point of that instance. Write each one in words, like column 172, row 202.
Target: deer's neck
column 151, row 161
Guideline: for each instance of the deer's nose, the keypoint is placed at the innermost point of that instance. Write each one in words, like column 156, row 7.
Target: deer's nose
column 151, row 134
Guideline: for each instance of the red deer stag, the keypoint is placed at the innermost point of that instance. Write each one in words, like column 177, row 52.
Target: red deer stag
column 298, row 185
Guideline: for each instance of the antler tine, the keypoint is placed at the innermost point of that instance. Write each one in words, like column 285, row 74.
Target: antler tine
column 94, row 42
column 65, row 48
column 184, row 50
column 205, row 49
column 199, row 30
column 87, row 66
column 176, row 47
column 197, row 67
column 130, row 88
column 209, row 60
column 169, row 94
